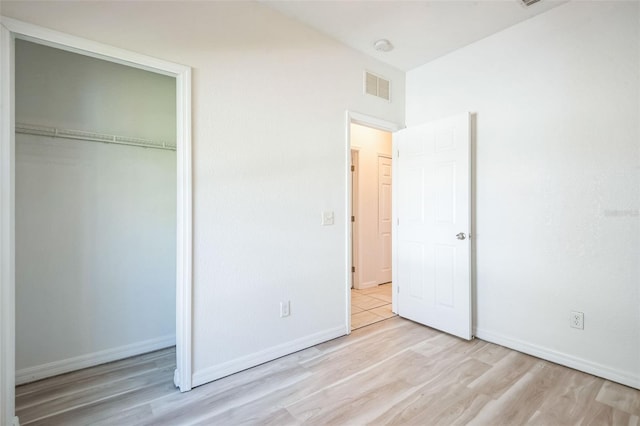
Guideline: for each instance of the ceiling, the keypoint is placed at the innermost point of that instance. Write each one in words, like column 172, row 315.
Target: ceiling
column 420, row 30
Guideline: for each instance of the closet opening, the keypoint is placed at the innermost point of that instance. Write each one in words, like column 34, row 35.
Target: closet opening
column 95, row 212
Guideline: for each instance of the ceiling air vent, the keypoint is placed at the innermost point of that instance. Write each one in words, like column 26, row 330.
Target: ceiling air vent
column 377, row 86
column 527, row 3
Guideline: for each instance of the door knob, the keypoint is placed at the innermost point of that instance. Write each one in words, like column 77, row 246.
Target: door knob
column 461, row 236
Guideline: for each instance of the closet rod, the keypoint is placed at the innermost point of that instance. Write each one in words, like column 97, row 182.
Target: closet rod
column 32, row 129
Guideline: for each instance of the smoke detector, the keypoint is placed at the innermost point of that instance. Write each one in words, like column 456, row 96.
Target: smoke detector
column 527, row 3
column 384, row 45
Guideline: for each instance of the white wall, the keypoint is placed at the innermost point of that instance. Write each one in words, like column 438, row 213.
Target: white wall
column 269, row 155
column 95, row 223
column 557, row 180
column 370, row 143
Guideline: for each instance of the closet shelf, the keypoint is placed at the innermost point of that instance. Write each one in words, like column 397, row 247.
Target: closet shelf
column 32, row 129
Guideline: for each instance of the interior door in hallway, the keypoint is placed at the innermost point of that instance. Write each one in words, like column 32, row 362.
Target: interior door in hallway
column 433, row 224
column 384, row 217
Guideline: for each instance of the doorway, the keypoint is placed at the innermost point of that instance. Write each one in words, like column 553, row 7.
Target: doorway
column 9, row 32
column 370, row 218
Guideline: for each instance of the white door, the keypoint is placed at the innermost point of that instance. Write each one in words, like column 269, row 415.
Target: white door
column 384, row 218
column 433, row 225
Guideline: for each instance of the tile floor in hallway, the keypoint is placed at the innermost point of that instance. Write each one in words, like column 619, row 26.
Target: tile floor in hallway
column 370, row 305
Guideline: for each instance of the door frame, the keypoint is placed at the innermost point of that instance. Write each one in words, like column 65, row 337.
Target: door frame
column 11, row 30
column 353, row 117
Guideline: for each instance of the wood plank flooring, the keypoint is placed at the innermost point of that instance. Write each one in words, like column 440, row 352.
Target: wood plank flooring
column 391, row 372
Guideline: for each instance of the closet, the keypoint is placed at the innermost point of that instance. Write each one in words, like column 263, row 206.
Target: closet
column 95, row 211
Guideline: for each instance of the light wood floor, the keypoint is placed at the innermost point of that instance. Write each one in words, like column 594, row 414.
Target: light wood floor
column 370, row 305
column 391, row 372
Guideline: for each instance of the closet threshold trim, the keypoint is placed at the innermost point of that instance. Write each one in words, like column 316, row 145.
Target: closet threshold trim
column 33, row 129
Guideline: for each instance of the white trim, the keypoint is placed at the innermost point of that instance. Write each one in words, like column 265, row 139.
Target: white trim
column 376, row 123
column 59, row 40
column 371, row 121
column 370, row 284
column 7, row 229
column 51, row 369
column 348, row 239
column 394, row 225
column 12, row 29
column 230, row 367
column 184, row 240
column 561, row 358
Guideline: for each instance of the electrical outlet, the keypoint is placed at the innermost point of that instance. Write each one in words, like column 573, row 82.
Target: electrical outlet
column 577, row 320
column 285, row 309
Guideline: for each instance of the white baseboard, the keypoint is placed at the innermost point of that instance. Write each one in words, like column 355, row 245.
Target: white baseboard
column 368, row 284
column 230, row 367
column 43, row 371
column 561, row 358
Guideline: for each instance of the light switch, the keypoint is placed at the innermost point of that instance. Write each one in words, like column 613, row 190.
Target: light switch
column 327, row 218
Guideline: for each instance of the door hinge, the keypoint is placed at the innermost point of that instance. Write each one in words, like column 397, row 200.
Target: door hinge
column 398, row 222
column 398, row 289
column 353, row 269
column 353, row 168
column 353, row 218
column 398, row 154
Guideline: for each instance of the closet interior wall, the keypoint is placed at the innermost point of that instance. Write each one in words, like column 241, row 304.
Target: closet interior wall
column 95, row 222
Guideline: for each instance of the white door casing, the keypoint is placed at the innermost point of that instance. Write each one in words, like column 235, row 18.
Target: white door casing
column 384, row 218
column 433, row 224
column 12, row 29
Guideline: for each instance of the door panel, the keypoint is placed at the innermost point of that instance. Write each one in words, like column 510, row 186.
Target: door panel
column 445, row 265
column 433, row 186
column 445, row 190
